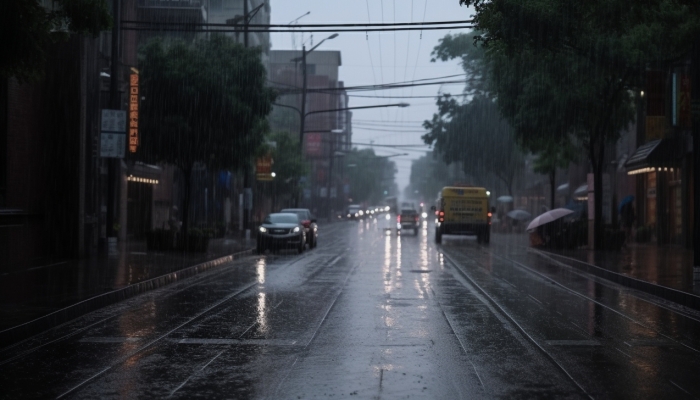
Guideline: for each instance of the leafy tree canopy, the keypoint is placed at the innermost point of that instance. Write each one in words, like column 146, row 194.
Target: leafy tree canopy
column 28, row 29
column 205, row 102
column 369, row 176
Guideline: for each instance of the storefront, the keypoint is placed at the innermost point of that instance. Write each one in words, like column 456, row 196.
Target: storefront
column 660, row 200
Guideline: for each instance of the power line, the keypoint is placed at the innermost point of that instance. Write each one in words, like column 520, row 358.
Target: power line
column 190, row 28
column 388, row 24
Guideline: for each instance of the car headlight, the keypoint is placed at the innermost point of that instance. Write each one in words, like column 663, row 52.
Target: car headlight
column 424, row 215
column 348, row 215
column 361, row 213
column 262, row 229
column 388, row 216
column 296, row 229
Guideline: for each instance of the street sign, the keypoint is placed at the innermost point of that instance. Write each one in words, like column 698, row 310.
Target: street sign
column 113, row 134
column 113, row 121
column 112, row 145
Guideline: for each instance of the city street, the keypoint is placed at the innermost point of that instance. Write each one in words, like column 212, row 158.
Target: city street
column 372, row 315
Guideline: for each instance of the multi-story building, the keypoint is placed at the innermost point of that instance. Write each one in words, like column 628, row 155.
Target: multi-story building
column 328, row 123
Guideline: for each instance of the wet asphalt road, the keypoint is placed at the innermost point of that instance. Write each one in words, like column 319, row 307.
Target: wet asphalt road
column 368, row 315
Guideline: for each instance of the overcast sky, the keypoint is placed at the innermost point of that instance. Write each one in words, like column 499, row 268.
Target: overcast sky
column 376, row 58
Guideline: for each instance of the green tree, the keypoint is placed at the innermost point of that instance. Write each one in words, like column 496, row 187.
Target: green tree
column 428, row 176
column 474, row 134
column 553, row 156
column 287, row 165
column 28, row 29
column 205, row 103
column 369, row 176
column 579, row 61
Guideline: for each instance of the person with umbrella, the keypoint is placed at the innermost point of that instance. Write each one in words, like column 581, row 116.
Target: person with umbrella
column 627, row 216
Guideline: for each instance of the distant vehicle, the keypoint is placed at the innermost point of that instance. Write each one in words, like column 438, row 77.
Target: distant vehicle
column 392, row 204
column 281, row 231
column 309, row 222
column 355, row 212
column 408, row 219
column 463, row 211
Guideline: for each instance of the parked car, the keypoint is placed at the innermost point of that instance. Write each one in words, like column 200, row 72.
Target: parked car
column 309, row 222
column 281, row 231
column 408, row 219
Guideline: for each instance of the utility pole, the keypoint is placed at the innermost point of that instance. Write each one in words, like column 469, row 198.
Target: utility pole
column 695, row 107
column 114, row 104
column 247, row 190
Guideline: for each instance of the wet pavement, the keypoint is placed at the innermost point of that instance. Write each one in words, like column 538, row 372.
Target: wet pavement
column 31, row 293
column 370, row 315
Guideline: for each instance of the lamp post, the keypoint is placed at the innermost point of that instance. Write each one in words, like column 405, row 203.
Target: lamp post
column 303, row 115
column 303, row 84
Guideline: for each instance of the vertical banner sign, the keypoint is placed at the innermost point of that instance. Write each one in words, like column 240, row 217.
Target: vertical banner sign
column 133, row 113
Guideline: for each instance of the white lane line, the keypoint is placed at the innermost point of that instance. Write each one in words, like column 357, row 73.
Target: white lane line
column 538, row 302
column 681, row 389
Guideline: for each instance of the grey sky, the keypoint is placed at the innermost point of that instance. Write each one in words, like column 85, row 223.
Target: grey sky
column 378, row 58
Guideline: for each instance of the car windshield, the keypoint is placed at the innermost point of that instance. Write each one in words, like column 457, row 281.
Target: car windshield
column 287, row 218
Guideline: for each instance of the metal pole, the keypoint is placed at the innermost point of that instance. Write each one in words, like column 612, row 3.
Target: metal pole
column 247, row 191
column 302, row 116
column 330, row 177
column 695, row 82
column 114, row 104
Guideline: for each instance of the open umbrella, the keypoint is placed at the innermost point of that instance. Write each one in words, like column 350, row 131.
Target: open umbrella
column 520, row 215
column 628, row 199
column 505, row 199
column 548, row 217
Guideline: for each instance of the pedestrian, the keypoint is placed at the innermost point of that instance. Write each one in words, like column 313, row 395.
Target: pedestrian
column 628, row 217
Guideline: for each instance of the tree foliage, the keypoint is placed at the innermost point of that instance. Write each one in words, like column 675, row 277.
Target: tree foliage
column 288, row 165
column 28, row 29
column 204, row 103
column 578, row 62
column 428, row 176
column 474, row 134
column 369, row 176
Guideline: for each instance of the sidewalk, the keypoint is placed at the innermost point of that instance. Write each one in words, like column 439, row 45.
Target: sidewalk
column 665, row 271
column 37, row 298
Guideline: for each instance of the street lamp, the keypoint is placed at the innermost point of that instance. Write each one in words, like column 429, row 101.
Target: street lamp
column 303, row 87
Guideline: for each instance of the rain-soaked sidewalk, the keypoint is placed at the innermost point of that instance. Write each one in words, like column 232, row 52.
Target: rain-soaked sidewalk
column 665, row 271
column 30, row 296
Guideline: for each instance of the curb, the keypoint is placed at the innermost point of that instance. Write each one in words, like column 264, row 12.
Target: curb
column 58, row 317
column 685, row 299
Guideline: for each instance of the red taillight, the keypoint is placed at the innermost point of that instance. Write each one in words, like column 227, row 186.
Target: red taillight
column 489, row 218
column 306, row 223
column 442, row 213
column 416, row 218
column 398, row 218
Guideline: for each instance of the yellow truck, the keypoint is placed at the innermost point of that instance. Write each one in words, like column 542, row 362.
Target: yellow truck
column 463, row 211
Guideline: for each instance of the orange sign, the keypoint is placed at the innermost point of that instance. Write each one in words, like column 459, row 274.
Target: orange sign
column 263, row 168
column 133, row 113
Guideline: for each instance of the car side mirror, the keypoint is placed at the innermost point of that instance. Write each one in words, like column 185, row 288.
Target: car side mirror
column 432, row 208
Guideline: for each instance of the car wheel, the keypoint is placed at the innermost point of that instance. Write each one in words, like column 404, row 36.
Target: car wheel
column 415, row 231
column 314, row 243
column 301, row 247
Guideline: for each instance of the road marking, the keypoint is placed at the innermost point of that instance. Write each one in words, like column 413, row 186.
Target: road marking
column 566, row 342
column 109, row 339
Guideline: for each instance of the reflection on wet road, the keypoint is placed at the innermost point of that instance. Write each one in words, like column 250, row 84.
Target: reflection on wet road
column 372, row 315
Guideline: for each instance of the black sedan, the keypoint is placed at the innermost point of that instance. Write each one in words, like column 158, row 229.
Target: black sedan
column 309, row 222
column 281, row 231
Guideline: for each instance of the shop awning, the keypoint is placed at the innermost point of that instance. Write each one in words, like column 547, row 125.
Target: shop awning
column 563, row 188
column 656, row 155
column 581, row 193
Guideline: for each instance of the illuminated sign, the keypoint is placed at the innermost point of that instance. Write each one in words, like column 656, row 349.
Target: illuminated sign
column 133, row 113
column 263, row 168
